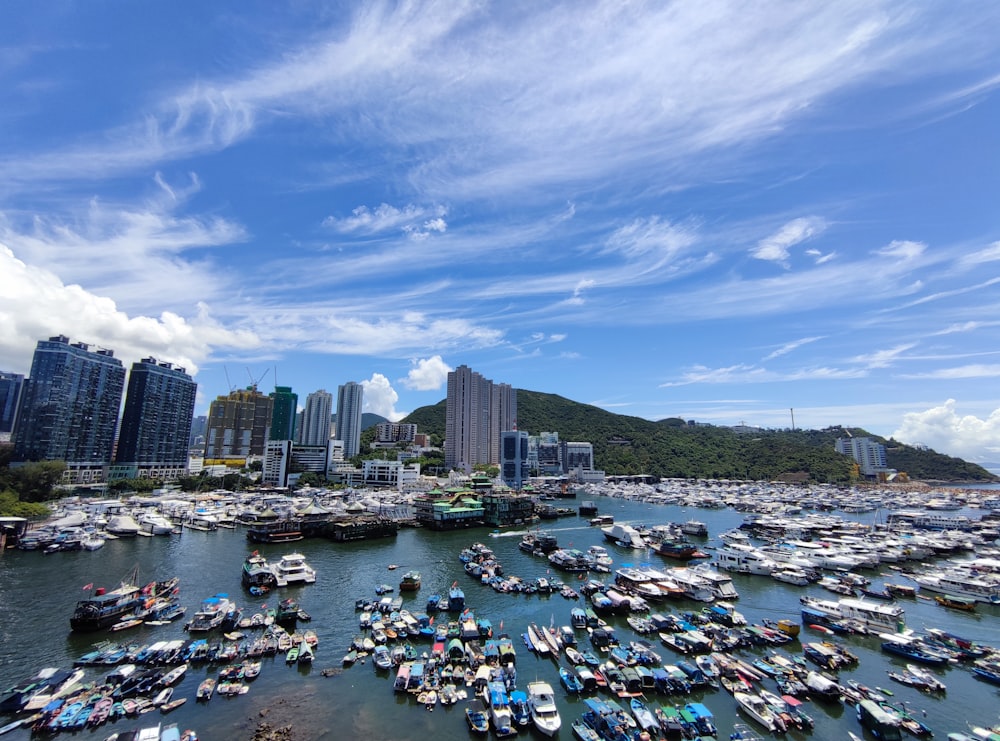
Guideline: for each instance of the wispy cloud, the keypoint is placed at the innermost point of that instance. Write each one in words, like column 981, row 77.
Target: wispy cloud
column 790, row 346
column 775, row 247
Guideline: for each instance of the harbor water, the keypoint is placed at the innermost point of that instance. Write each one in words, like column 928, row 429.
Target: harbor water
column 38, row 593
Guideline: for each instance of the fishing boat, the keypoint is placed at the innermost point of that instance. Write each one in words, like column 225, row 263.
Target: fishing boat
column 206, row 689
column 106, row 608
column 257, row 574
column 410, row 582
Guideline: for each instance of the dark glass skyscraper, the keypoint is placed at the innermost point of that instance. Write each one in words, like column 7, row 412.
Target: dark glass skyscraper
column 156, row 423
column 69, row 407
column 10, row 391
column 283, row 416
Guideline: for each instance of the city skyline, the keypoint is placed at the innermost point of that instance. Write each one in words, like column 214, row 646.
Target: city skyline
column 706, row 211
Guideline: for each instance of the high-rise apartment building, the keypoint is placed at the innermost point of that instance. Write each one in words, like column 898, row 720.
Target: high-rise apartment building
column 238, row 425
column 316, row 418
column 69, row 408
column 156, row 422
column 477, row 412
column 10, row 392
column 349, row 400
column 284, row 407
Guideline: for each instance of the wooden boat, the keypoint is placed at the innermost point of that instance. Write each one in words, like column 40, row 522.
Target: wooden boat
column 955, row 603
column 478, row 720
column 167, row 707
column 206, row 689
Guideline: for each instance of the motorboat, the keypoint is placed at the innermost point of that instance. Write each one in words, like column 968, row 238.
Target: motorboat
column 544, row 713
column 293, row 569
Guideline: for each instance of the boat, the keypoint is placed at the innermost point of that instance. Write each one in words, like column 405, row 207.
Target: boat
column 478, row 720
column 624, row 536
column 911, row 648
column 410, row 581
column 643, row 715
column 754, row 706
column 105, row 608
column 538, row 542
column 293, row 569
column 498, row 703
column 211, row 615
column 968, row 604
column 257, row 573
column 875, row 616
column 206, row 689
column 541, row 703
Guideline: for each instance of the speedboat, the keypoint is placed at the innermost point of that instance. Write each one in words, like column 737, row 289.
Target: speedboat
column 544, row 713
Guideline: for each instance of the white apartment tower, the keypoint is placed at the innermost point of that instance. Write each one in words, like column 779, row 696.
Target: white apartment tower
column 315, row 428
column 477, row 412
column 349, row 400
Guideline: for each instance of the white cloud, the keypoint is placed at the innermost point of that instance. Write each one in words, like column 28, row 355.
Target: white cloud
column 882, row 358
column 775, row 247
column 790, row 346
column 381, row 398
column 742, row 373
column 384, row 218
column 988, row 254
column 427, row 374
column 902, row 249
column 979, row 370
column 651, row 238
column 945, row 430
column 35, row 304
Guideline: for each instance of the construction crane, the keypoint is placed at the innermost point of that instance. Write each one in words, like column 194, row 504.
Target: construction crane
column 254, row 383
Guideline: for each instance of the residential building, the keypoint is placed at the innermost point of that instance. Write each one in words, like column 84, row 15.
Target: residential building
column 316, row 418
column 10, row 392
column 868, row 454
column 350, row 397
column 156, row 422
column 238, row 426
column 69, row 408
column 514, row 458
column 199, row 425
column 477, row 412
column 393, row 432
column 284, row 405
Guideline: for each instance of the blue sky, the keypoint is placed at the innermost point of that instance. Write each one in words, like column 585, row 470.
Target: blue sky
column 715, row 210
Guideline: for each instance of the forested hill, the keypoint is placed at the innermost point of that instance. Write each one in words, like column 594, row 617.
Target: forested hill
column 671, row 448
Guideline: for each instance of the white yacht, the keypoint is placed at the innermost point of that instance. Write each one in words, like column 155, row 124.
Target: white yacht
column 155, row 524
column 695, row 586
column 722, row 584
column 877, row 616
column 293, row 569
column 744, row 559
column 980, row 587
column 625, row 536
column 544, row 713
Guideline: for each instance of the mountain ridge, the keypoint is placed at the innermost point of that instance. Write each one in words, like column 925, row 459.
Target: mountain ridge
column 673, row 448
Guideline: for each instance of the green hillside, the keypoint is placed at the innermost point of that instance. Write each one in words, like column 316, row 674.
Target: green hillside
column 671, row 448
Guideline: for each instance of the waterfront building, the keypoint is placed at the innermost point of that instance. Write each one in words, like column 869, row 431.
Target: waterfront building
column 514, row 458
column 313, row 458
column 10, row 393
column 238, row 426
column 316, row 418
column 277, row 457
column 69, row 408
column 577, row 457
column 503, row 508
column 448, row 510
column 156, row 422
column 349, row 401
column 477, row 412
column 283, row 411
